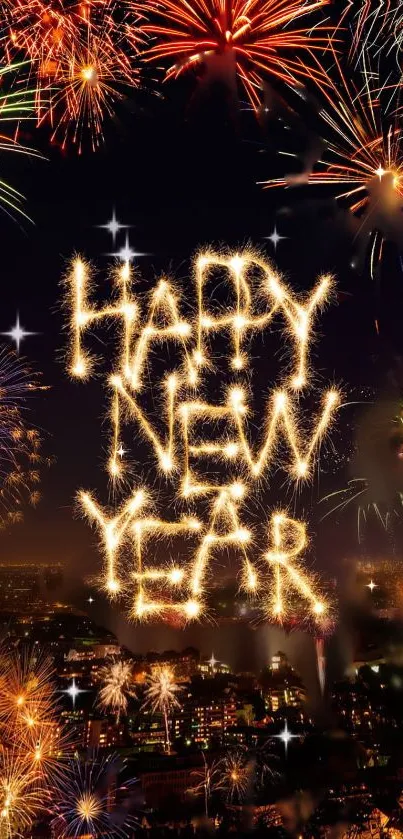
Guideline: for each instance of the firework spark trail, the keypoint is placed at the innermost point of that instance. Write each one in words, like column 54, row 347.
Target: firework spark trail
column 161, row 696
column 206, row 780
column 16, row 106
column 260, row 38
column 366, row 20
column 321, row 662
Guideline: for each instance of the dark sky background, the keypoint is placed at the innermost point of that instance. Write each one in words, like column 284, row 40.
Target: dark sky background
column 183, row 173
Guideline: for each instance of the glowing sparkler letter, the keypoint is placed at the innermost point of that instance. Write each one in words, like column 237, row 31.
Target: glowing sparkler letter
column 161, row 577
column 282, row 416
column 163, row 307
column 289, row 540
column 224, row 529
column 83, row 316
column 114, row 532
column 124, row 403
column 242, row 319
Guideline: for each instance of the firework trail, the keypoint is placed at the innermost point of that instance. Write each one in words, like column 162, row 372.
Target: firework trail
column 16, row 106
column 321, row 662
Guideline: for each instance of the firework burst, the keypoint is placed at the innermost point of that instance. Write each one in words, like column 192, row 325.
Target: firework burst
column 33, row 745
column 116, row 688
column 21, row 799
column 362, row 162
column 236, row 775
column 83, row 800
column 250, row 38
column 376, row 486
column 161, row 696
column 90, row 74
column 36, row 28
column 26, row 692
column 80, row 59
column 20, row 446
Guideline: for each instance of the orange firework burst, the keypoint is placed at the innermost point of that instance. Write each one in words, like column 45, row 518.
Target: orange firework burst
column 362, row 160
column 37, row 28
column 26, row 693
column 80, row 54
column 88, row 81
column 255, row 37
column 20, row 798
column 33, row 746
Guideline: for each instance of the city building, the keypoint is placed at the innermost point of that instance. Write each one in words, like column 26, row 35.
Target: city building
column 281, row 685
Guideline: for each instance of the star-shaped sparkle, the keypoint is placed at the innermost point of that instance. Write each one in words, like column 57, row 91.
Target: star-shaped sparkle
column 121, row 451
column 371, row 585
column 73, row 691
column 212, row 661
column 286, row 736
column 113, row 226
column 126, row 254
column 17, row 333
column 90, row 600
column 275, row 238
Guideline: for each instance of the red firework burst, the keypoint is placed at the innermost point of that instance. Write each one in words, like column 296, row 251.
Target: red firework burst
column 260, row 37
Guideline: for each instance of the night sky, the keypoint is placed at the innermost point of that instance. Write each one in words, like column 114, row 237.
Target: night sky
column 182, row 172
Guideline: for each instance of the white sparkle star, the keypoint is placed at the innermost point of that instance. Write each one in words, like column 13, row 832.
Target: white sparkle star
column 371, row 586
column 121, row 451
column 275, row 238
column 73, row 691
column 126, row 254
column 113, row 226
column 18, row 333
column 90, row 600
column 286, row 736
column 212, row 662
